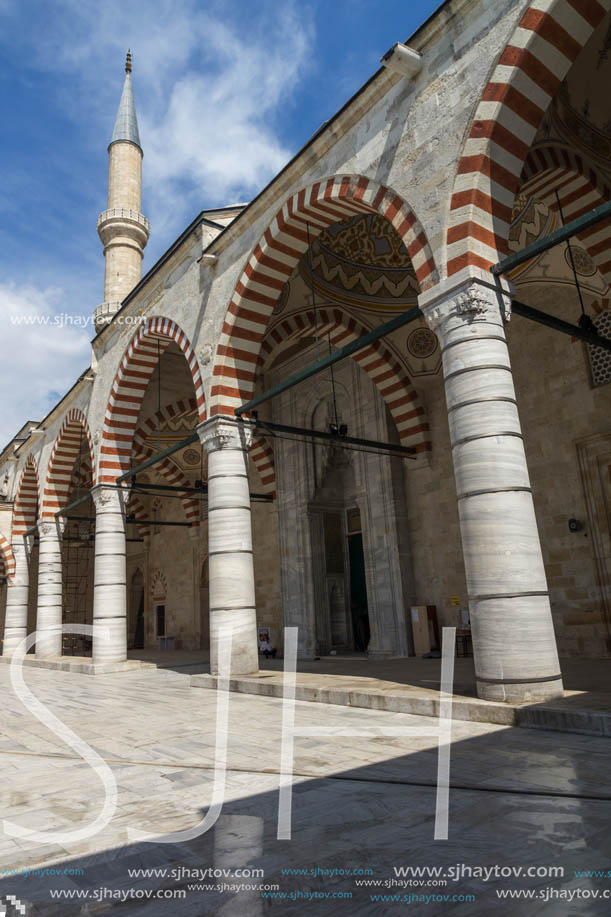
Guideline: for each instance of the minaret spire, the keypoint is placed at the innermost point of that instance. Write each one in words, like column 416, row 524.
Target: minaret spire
column 123, row 229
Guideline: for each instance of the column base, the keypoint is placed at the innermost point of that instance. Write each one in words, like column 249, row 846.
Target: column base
column 48, row 645
column 521, row 693
column 12, row 641
column 244, row 659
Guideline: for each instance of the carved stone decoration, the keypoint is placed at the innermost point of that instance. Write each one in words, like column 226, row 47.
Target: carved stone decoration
column 474, row 300
column 221, row 433
column 51, row 528
column 107, row 498
column 205, row 355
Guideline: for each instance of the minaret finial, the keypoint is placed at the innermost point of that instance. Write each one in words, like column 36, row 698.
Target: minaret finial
column 128, row 61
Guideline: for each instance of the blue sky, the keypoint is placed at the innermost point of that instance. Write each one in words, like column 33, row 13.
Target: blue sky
column 226, row 93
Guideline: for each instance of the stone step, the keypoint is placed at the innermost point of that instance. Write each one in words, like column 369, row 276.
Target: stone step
column 569, row 714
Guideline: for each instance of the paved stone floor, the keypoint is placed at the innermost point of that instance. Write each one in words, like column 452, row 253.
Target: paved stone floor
column 519, row 798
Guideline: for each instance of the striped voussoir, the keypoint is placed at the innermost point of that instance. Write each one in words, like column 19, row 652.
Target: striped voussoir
column 554, row 168
column 389, row 377
column 135, row 508
column 301, row 219
column 73, row 447
column 166, row 467
column 7, row 559
column 27, row 500
column 82, row 476
column 185, row 408
column 262, row 456
column 129, row 387
column 547, row 40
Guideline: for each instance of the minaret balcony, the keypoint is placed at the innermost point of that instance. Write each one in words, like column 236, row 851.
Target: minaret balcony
column 119, row 221
column 104, row 313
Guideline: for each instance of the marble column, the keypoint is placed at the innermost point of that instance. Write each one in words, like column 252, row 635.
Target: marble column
column 232, row 581
column 110, row 579
column 514, row 646
column 17, row 594
column 50, row 592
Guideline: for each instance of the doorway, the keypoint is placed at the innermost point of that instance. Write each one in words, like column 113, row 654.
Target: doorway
column 136, row 610
column 358, row 593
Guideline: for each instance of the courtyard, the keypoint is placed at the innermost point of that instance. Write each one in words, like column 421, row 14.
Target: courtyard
column 363, row 808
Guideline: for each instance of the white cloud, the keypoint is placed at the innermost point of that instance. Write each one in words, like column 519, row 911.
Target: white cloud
column 212, row 84
column 210, row 87
column 40, row 360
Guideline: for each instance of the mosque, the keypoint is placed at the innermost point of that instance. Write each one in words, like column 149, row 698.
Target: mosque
column 381, row 385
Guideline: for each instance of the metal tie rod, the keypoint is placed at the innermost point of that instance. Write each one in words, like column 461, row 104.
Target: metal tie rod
column 339, row 438
column 381, row 331
column 558, row 324
column 555, row 238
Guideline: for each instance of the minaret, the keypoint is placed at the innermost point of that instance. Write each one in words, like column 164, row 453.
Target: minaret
column 124, row 231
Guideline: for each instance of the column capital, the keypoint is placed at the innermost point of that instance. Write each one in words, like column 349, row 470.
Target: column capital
column 470, row 295
column 225, row 433
column 52, row 528
column 109, row 499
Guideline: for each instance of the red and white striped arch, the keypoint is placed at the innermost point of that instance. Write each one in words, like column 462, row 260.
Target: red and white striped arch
column 135, row 507
column 27, row 500
column 260, row 453
column 262, row 457
column 167, row 467
column 274, row 258
column 547, row 40
column 389, row 377
column 73, row 442
column 7, row 559
column 129, row 387
column 553, row 168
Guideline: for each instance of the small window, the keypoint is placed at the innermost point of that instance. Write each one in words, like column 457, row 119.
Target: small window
column 353, row 520
column 600, row 359
column 160, row 615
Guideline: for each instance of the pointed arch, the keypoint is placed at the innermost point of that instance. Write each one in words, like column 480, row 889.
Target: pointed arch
column 260, row 453
column 27, row 500
column 166, row 467
column 7, row 559
column 554, row 168
column 389, row 377
column 135, row 507
column 73, row 440
column 128, row 389
column 300, row 220
column 550, row 35
column 262, row 456
column 159, row 585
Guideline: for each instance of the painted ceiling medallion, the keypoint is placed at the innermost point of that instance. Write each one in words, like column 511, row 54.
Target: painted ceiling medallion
column 422, row 343
column 581, row 259
column 364, row 260
column 191, row 457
